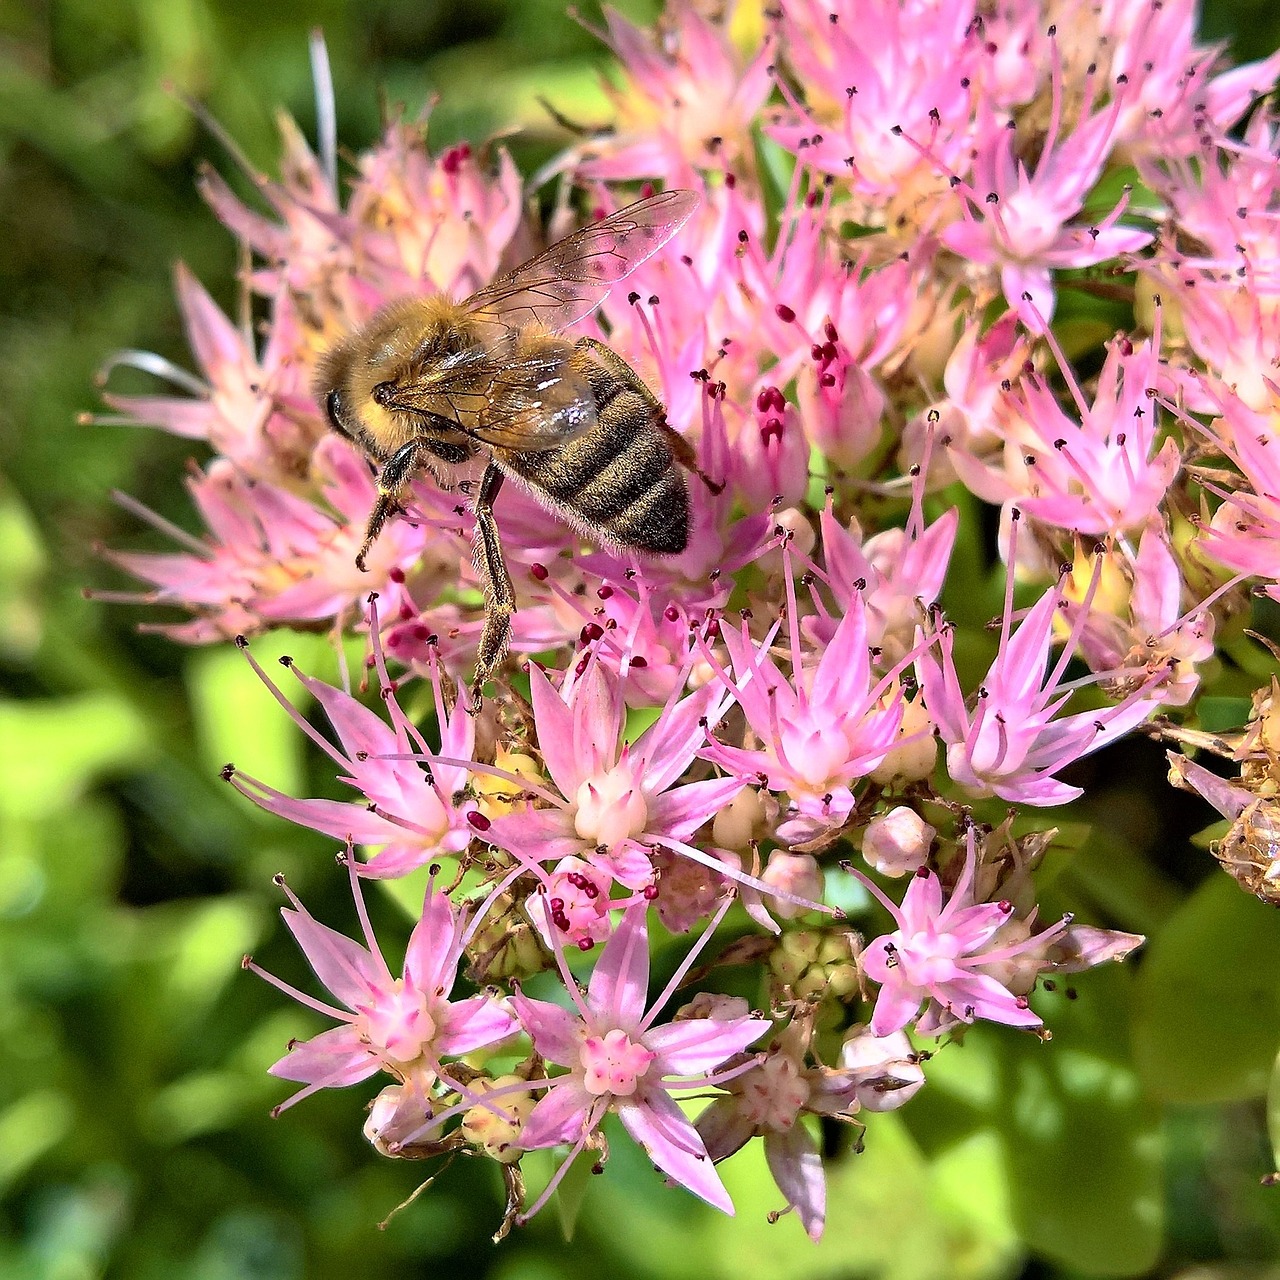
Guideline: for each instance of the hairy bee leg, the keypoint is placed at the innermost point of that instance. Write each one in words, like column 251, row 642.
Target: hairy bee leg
column 681, row 449
column 499, row 595
column 391, row 481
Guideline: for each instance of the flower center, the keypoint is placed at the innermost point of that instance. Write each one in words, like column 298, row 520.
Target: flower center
column 614, row 1064
column 773, row 1093
column 815, row 750
column 610, row 808
column 398, row 1024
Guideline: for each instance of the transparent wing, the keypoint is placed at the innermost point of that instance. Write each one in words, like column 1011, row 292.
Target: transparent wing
column 572, row 278
column 532, row 401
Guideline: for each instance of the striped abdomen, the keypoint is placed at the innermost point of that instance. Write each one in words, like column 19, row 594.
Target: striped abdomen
column 617, row 478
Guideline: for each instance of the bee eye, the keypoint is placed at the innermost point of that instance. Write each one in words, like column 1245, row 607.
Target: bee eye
column 333, row 408
column 384, row 393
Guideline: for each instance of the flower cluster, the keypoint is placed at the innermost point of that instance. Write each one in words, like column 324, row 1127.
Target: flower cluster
column 854, row 332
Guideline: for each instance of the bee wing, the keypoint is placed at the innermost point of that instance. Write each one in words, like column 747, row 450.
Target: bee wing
column 572, row 277
column 530, row 401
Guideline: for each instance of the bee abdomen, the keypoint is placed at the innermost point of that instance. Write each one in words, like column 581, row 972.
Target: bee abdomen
column 619, row 476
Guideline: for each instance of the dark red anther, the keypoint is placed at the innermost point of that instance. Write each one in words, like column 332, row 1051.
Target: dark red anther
column 828, row 352
column 396, row 574
column 639, row 661
column 556, row 906
column 455, row 158
column 646, row 190
column 581, row 666
column 584, row 944
column 649, row 892
column 784, row 313
column 604, row 591
column 772, row 430
column 538, row 571
column 816, row 352
column 478, row 820
column 671, row 613
column 830, row 330
column 730, row 180
column 712, row 629
column 828, row 379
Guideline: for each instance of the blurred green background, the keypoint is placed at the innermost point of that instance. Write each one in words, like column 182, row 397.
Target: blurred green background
column 134, row 1135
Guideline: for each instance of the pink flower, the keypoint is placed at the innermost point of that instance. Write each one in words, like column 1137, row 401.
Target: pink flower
column 820, row 731
column 936, row 955
column 1107, row 472
column 618, row 1061
column 1019, row 220
column 616, row 799
column 769, row 1099
column 405, row 1026
column 408, row 809
column 1014, row 739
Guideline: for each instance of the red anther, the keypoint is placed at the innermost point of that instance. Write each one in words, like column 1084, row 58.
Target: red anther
column 816, row 352
column 712, row 630
column 592, row 631
column 585, row 944
column 671, row 613
column 478, row 820
column 649, row 892
column 828, row 379
column 828, row 352
column 772, row 429
column 730, row 181
column 639, row 661
column 538, row 571
column 784, row 313
column 830, row 330
column 396, row 574
column 581, row 667
column 604, row 591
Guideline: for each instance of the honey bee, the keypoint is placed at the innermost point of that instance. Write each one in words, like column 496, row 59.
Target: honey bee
column 430, row 381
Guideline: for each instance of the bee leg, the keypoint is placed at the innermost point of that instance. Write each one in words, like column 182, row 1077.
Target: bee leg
column 400, row 466
column 681, row 449
column 499, row 595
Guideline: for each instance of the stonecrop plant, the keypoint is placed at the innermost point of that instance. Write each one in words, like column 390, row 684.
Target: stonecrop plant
column 875, row 332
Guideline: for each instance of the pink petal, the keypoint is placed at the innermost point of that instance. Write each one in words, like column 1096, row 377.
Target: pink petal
column 335, row 1058
column 673, row 1144
column 555, row 733
column 620, row 981
column 342, row 965
column 560, row 1115
column 681, row 811
column 472, row 1024
column 556, row 1033
column 695, row 1046
column 797, row 1169
column 431, row 958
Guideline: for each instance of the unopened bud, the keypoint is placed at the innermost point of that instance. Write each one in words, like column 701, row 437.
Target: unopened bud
column 897, row 843
column 910, row 761
column 797, row 874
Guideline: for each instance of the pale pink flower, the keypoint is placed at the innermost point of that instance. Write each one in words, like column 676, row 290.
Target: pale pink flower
column 618, row 1060
column 1104, row 468
column 405, row 1026
column 410, row 810
column 935, row 957
column 769, row 1100
column 1014, row 737
column 1020, row 221
column 820, row 731
column 616, row 799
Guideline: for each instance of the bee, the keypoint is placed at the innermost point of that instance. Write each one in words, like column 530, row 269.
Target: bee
column 429, row 381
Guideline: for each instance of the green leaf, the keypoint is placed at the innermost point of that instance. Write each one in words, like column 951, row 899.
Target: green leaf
column 238, row 721
column 49, row 751
column 1208, row 1021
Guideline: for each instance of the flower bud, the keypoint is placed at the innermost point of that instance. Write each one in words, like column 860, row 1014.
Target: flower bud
column 798, row 874
column 897, row 843
column 496, row 1125
column 740, row 821
column 909, row 761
